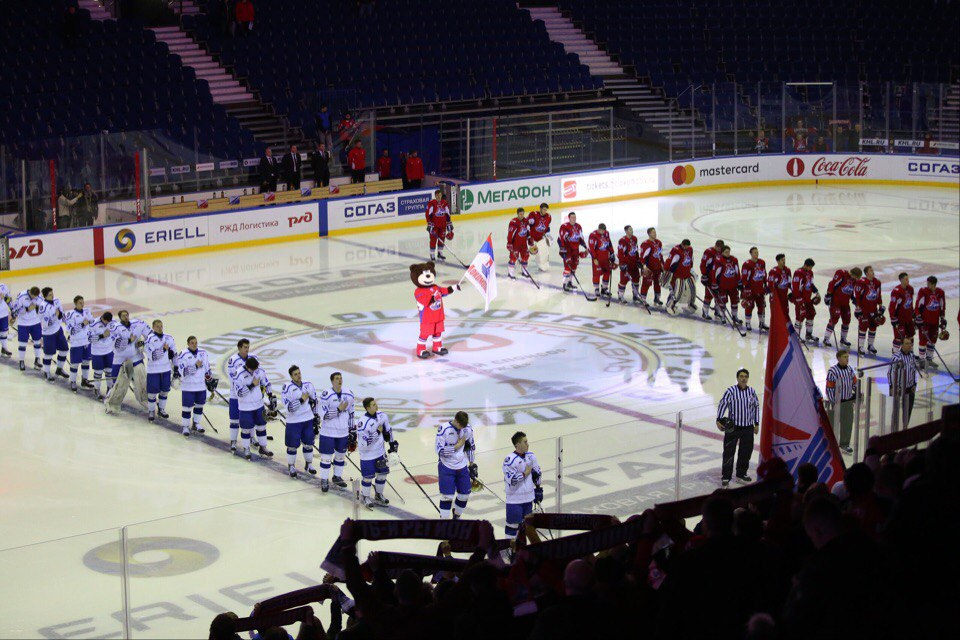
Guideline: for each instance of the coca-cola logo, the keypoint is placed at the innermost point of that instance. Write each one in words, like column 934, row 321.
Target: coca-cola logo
column 852, row 167
column 33, row 248
column 795, row 167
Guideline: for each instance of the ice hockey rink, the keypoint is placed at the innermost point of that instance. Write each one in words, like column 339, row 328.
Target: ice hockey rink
column 209, row 532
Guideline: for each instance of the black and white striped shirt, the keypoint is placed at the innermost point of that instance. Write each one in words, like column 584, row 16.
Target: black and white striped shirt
column 741, row 405
column 840, row 383
column 902, row 373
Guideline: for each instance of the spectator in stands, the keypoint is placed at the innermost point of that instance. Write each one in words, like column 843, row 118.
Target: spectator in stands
column 403, row 169
column 806, row 477
column 761, row 142
column 87, row 210
column 572, row 617
column 225, row 15
column 414, row 170
column 65, row 216
column 268, row 172
column 357, row 161
column 383, row 165
column 224, row 627
column 820, row 146
column 292, row 168
column 71, row 24
column 244, row 15
column 320, row 161
column 927, row 146
column 324, row 129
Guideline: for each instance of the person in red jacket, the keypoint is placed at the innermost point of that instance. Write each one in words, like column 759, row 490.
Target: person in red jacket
column 839, row 294
column 870, row 310
column 680, row 268
column 244, row 13
column 569, row 241
column 439, row 225
column 931, row 320
column 778, row 284
column 383, row 165
column 628, row 253
column 726, row 273
column 706, row 277
column 518, row 243
column 539, row 222
column 901, row 311
column 753, row 276
column 651, row 257
column 414, row 170
column 805, row 299
column 357, row 161
column 601, row 252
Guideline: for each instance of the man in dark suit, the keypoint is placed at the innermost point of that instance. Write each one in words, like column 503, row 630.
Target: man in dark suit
column 292, row 168
column 268, row 172
column 320, row 161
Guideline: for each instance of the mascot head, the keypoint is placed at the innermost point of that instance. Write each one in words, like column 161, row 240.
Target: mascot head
column 423, row 274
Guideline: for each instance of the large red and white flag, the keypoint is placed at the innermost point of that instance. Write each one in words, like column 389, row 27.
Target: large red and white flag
column 795, row 426
column 482, row 274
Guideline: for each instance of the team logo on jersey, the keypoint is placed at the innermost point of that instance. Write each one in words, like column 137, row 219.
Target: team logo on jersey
column 125, row 240
column 795, row 167
column 684, row 174
column 506, row 366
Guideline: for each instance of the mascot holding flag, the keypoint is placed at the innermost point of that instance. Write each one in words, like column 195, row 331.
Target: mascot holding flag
column 429, row 297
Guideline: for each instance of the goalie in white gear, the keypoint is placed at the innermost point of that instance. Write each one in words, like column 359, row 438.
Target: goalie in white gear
column 337, row 431
column 193, row 365
column 521, row 474
column 303, row 420
column 159, row 349
column 373, row 431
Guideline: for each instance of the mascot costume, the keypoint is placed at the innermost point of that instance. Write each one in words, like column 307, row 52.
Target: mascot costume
column 429, row 297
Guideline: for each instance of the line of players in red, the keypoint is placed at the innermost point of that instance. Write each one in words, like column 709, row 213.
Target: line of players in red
column 726, row 283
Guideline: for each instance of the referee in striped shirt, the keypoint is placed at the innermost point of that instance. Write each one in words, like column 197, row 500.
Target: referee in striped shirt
column 841, row 382
column 903, row 378
column 741, row 422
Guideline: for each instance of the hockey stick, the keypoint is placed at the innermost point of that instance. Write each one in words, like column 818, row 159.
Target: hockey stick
column 209, row 423
column 590, row 297
column 538, row 508
column 527, row 273
column 227, row 402
column 455, row 257
column 389, row 484
column 730, row 319
column 419, row 486
column 946, row 368
column 482, row 484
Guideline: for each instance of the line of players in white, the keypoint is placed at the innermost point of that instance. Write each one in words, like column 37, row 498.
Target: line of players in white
column 105, row 344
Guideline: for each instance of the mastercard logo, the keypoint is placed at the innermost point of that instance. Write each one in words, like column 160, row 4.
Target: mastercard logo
column 684, row 174
column 125, row 240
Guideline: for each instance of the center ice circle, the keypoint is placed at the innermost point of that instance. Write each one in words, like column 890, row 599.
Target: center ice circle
column 505, row 359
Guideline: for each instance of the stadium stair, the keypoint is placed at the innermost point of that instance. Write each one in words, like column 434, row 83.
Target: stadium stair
column 95, row 7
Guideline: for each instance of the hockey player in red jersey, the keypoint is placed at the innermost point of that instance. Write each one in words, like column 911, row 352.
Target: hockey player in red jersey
column 439, row 226
column 604, row 261
column 569, row 241
column 805, row 299
column 753, row 276
column 539, row 222
column 680, row 270
column 518, row 243
column 726, row 274
column 778, row 283
column 628, row 253
column 651, row 258
column 706, row 277
column 901, row 311
column 931, row 320
column 839, row 295
column 870, row 312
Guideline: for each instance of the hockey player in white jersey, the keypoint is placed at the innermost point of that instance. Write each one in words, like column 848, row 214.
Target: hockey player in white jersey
column 303, row 420
column 159, row 349
column 235, row 364
column 373, row 432
column 54, row 342
column 249, row 384
column 78, row 322
column 5, row 302
column 27, row 310
column 193, row 364
column 101, row 352
column 521, row 474
column 128, row 336
column 456, row 468
column 337, row 432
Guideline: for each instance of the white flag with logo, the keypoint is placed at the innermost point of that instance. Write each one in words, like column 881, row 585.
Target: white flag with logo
column 482, row 274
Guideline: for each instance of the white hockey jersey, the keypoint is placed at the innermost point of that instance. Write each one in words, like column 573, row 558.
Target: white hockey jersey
column 373, row 432
column 101, row 337
column 158, row 351
column 194, row 367
column 234, row 365
column 450, row 456
column 336, row 423
column 248, row 388
column 78, row 323
column 51, row 312
column 298, row 409
column 27, row 317
column 125, row 340
column 5, row 301
column 519, row 489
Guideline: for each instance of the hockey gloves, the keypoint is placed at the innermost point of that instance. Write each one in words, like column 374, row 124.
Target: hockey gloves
column 474, row 472
column 273, row 402
column 212, row 384
column 828, row 300
column 352, row 441
column 394, row 447
column 538, row 495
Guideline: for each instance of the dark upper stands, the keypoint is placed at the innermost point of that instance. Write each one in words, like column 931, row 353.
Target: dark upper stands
column 115, row 77
column 408, row 52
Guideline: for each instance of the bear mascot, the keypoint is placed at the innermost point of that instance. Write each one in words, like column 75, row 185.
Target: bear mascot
column 429, row 297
